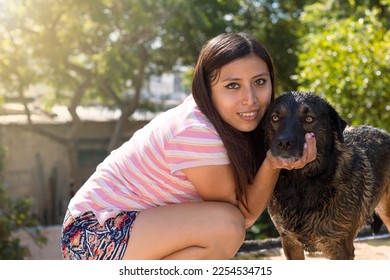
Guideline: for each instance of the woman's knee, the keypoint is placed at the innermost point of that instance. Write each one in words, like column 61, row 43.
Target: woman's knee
column 229, row 229
column 234, row 221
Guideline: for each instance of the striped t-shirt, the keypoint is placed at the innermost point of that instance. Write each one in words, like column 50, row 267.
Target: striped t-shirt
column 146, row 171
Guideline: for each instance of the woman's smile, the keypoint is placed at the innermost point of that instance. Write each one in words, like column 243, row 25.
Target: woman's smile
column 249, row 116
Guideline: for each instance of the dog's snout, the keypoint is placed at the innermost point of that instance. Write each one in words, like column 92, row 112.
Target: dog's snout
column 286, row 147
column 285, row 143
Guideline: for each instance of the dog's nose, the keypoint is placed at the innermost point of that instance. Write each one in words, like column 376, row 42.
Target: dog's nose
column 285, row 143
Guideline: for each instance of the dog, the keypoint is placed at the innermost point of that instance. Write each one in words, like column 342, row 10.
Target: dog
column 323, row 206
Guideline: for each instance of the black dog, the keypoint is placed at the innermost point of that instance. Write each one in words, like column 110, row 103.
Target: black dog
column 324, row 205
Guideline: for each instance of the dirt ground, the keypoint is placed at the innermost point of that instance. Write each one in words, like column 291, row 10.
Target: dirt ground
column 363, row 251
column 367, row 249
column 50, row 251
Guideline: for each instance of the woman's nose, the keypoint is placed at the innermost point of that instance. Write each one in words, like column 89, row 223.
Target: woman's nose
column 249, row 96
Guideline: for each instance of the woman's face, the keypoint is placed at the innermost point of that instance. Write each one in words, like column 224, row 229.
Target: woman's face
column 242, row 91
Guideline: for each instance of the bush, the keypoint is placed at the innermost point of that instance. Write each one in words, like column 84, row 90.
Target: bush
column 262, row 229
column 15, row 214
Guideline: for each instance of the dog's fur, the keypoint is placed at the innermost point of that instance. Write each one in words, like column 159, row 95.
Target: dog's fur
column 324, row 205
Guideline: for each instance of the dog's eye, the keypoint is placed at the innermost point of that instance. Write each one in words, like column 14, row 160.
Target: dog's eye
column 275, row 118
column 309, row 119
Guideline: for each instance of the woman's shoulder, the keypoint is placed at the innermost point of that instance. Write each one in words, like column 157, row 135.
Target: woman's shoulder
column 185, row 117
column 193, row 117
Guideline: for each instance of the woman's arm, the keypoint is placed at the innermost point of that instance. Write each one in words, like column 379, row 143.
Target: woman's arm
column 260, row 192
column 216, row 183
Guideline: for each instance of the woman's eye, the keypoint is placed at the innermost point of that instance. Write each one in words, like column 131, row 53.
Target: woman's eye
column 309, row 119
column 260, row 82
column 232, row 86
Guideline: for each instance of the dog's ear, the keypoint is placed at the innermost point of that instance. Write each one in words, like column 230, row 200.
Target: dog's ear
column 337, row 122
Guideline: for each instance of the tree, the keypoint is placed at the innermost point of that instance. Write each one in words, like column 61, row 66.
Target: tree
column 345, row 56
column 276, row 24
column 17, row 72
column 101, row 51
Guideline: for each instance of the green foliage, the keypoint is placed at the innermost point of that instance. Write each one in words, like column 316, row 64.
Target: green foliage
column 263, row 228
column 116, row 43
column 345, row 56
column 276, row 24
column 14, row 215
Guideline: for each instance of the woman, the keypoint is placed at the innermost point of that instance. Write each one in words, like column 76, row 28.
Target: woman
column 188, row 184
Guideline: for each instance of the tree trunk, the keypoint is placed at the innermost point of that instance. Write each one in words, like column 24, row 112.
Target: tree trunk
column 129, row 108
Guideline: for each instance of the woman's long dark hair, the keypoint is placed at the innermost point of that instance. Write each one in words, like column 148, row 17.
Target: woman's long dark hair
column 246, row 150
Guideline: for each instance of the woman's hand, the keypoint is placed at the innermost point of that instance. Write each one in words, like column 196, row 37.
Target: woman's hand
column 309, row 154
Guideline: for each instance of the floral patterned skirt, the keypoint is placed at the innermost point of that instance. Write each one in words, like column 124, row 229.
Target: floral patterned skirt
column 83, row 238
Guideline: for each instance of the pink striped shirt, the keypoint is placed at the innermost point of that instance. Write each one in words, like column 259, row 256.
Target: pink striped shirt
column 146, row 171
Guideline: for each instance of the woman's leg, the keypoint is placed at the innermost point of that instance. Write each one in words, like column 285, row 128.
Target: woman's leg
column 202, row 230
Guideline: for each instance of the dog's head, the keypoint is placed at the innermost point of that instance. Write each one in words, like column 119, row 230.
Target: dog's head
column 290, row 116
